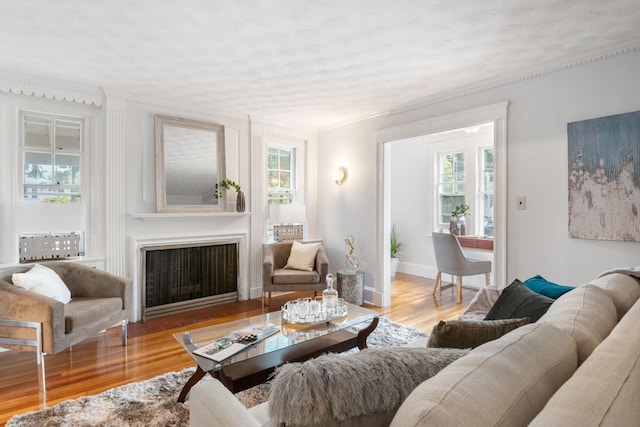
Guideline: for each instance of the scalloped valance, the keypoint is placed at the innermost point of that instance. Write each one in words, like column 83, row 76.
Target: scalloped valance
column 58, row 91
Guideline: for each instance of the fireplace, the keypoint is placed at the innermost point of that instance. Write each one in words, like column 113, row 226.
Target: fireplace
column 182, row 277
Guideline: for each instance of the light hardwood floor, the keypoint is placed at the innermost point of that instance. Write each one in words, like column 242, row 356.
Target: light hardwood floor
column 100, row 363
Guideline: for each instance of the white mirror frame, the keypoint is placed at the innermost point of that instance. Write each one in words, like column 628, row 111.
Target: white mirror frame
column 162, row 204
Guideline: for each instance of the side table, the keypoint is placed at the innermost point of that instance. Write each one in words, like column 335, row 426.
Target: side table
column 351, row 286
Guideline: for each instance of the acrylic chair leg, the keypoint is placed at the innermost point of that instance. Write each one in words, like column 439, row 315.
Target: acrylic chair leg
column 459, row 287
column 437, row 282
column 487, row 279
column 124, row 332
column 42, row 378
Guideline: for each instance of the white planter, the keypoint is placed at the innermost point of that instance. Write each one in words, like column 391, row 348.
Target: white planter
column 394, row 266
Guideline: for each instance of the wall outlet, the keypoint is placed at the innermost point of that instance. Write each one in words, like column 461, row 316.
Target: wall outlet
column 521, row 203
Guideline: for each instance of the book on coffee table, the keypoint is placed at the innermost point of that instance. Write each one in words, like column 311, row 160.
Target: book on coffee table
column 236, row 341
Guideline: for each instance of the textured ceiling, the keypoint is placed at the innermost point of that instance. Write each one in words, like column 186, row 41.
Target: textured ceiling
column 304, row 63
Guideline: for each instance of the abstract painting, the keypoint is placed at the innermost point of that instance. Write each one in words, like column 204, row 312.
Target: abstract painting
column 604, row 178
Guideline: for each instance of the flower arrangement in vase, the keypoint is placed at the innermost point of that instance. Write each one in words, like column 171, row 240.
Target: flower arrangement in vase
column 226, row 184
column 457, row 225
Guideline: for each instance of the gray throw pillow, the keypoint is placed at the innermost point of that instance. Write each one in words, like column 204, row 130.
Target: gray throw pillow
column 333, row 388
column 517, row 301
column 471, row 333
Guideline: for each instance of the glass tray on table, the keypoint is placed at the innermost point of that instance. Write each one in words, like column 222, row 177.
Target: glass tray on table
column 304, row 313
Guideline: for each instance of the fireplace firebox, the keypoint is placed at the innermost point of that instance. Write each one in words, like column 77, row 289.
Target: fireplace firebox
column 178, row 279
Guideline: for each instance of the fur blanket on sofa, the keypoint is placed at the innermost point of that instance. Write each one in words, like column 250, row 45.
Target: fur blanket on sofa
column 336, row 387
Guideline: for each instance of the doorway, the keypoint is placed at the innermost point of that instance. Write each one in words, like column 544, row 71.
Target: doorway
column 496, row 114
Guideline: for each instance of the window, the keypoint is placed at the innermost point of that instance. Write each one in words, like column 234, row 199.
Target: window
column 281, row 175
column 464, row 167
column 485, row 192
column 451, row 183
column 52, row 149
column 285, row 183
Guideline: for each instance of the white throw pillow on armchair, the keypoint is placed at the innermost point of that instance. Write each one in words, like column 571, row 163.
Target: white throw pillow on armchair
column 44, row 281
column 302, row 256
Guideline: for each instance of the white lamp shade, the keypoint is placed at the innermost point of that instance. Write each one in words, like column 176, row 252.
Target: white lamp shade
column 288, row 214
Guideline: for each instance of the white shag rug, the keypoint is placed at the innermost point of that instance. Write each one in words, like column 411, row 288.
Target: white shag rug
column 154, row 402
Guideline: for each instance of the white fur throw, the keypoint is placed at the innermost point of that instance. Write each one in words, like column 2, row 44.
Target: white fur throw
column 335, row 387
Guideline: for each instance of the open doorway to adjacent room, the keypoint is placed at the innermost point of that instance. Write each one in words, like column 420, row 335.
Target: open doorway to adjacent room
column 428, row 168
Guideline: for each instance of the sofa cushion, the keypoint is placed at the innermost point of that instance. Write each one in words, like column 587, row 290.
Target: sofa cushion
column 517, row 301
column 623, row 289
column 85, row 311
column 344, row 389
column 212, row 404
column 587, row 314
column 302, row 256
column 44, row 281
column 285, row 276
column 607, row 383
column 504, row 382
column 471, row 333
column 544, row 287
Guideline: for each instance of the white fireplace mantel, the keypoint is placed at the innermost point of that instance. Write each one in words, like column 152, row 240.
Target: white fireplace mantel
column 174, row 216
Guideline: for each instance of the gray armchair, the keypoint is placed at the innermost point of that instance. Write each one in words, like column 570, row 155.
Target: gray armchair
column 276, row 278
column 451, row 260
column 99, row 300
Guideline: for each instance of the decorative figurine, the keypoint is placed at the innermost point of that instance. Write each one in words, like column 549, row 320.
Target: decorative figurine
column 352, row 261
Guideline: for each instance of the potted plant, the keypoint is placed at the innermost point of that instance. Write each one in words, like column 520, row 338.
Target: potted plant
column 396, row 246
column 226, row 184
column 457, row 224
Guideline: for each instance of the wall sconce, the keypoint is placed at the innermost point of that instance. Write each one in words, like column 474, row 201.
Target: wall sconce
column 341, row 175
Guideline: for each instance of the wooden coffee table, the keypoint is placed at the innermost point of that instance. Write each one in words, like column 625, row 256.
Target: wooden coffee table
column 255, row 364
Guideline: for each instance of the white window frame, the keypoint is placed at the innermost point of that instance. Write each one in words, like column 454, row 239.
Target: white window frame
column 481, row 192
column 53, row 151
column 298, row 176
column 292, row 191
column 473, row 174
column 439, row 205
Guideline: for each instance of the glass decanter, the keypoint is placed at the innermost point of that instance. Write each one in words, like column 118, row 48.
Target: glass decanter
column 330, row 296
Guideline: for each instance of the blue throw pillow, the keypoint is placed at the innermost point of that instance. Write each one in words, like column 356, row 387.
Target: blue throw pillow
column 542, row 286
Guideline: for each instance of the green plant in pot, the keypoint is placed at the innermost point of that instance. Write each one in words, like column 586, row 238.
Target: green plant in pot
column 227, row 184
column 396, row 247
column 457, row 224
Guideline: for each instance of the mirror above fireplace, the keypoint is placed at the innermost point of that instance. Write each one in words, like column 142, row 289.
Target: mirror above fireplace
column 190, row 161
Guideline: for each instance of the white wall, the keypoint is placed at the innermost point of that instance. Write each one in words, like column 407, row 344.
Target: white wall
column 540, row 107
column 348, row 209
column 411, row 206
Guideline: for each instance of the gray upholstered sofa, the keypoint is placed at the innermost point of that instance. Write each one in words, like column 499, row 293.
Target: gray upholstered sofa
column 99, row 300
column 578, row 365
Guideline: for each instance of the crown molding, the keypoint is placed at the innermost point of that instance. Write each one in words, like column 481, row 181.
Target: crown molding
column 531, row 73
column 353, row 121
column 281, row 131
column 31, row 86
column 186, row 109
